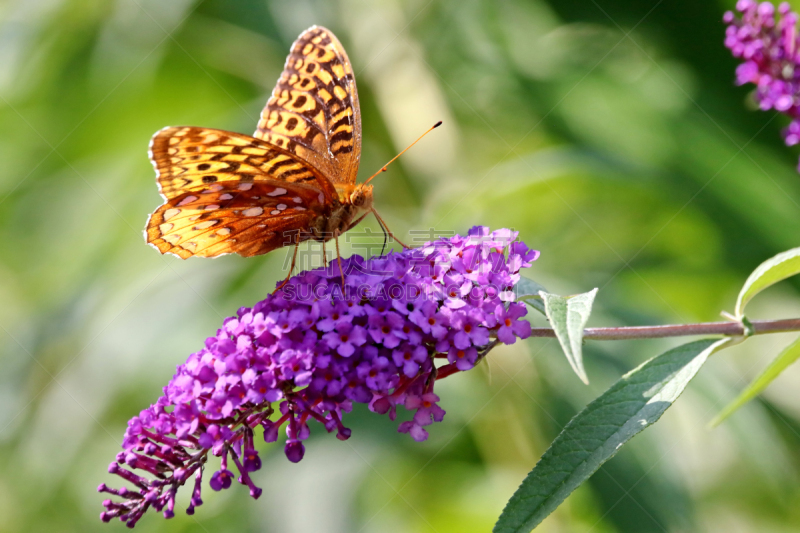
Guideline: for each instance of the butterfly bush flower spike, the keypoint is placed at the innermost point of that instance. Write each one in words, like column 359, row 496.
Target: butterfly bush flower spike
column 766, row 39
column 311, row 350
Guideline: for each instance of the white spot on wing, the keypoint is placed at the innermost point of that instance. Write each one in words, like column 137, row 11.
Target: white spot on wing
column 226, row 196
column 280, row 191
column 274, row 212
column 281, row 207
column 211, row 207
column 169, row 213
column 187, row 200
column 245, row 186
column 321, row 198
column 253, row 212
column 166, row 227
column 297, row 200
column 224, row 231
column 205, row 225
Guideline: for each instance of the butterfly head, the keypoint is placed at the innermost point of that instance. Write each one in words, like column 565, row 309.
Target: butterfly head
column 358, row 195
column 361, row 196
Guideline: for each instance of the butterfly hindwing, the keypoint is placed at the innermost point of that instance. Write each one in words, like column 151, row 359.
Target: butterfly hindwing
column 248, row 218
column 313, row 111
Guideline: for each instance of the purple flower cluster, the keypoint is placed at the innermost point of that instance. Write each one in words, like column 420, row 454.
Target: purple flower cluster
column 311, row 349
column 768, row 43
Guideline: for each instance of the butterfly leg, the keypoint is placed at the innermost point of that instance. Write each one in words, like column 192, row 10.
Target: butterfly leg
column 339, row 257
column 324, row 256
column 386, row 228
column 291, row 268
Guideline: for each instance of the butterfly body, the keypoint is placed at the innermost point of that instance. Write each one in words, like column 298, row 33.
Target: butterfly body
column 355, row 202
column 293, row 180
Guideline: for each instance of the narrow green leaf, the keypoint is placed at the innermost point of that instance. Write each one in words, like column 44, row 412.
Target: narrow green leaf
column 527, row 291
column 568, row 317
column 768, row 273
column 595, row 434
column 775, row 368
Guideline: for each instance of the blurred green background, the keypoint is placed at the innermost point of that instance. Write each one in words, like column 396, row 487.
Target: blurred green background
column 608, row 132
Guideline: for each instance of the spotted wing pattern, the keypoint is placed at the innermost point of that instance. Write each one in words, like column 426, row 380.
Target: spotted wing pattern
column 244, row 217
column 313, row 111
column 189, row 158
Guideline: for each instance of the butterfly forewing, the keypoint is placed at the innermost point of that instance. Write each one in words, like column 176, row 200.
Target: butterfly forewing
column 190, row 158
column 313, row 111
column 248, row 218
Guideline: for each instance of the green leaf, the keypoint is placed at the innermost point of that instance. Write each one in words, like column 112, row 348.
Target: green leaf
column 768, row 273
column 568, row 317
column 527, row 291
column 775, row 368
column 595, row 434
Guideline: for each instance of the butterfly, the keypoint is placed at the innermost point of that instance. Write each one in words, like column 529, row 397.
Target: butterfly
column 293, row 180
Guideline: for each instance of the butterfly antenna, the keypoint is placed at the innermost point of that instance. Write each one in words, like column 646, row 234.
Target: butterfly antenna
column 383, row 168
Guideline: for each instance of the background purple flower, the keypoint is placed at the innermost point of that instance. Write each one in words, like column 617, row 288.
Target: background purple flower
column 767, row 40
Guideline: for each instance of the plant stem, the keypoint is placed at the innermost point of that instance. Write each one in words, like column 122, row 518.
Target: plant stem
column 729, row 328
column 679, row 330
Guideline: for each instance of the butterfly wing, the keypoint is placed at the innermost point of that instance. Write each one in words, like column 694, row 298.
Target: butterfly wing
column 247, row 218
column 231, row 193
column 190, row 158
column 313, row 111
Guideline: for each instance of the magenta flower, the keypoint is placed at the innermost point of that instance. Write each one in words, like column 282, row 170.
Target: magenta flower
column 332, row 313
column 221, row 479
column 464, row 359
column 410, row 358
column 345, row 338
column 467, row 328
column 427, row 412
column 427, row 409
column 377, row 371
column 312, row 349
column 511, row 324
column 430, row 320
column 387, row 328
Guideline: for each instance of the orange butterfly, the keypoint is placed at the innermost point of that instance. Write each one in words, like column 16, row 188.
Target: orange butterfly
column 294, row 180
